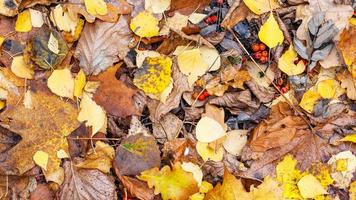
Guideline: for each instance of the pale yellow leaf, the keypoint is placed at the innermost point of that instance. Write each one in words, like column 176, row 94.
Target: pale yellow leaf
column 61, row 83
column 20, row 68
column 36, row 18
column 208, row 153
column 62, row 20
column 79, row 84
column 270, row 33
column 286, row 63
column 195, row 18
column 235, row 141
column 27, row 100
column 157, row 6
column 96, row 7
column 53, row 44
column 177, row 22
column 261, row 6
column 41, row 159
column 195, row 170
column 145, row 25
column 93, row 114
column 62, row 154
column 211, row 57
column 23, row 22
column 310, row 187
column 209, row 130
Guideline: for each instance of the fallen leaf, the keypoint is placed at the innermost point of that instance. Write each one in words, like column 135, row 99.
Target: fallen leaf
column 145, row 25
column 100, row 43
column 343, row 175
column 270, row 33
column 99, row 158
column 235, row 141
column 349, row 138
column 157, row 6
column 36, row 18
column 310, row 187
column 255, row 74
column 326, row 88
column 114, row 95
column 195, row 18
column 154, row 76
column 309, row 100
column 42, row 192
column 268, row 189
column 86, row 184
column 261, row 6
column 352, row 190
column 51, row 120
column 209, row 130
column 62, row 20
column 348, row 83
column 286, row 63
column 167, row 128
column 92, row 114
column 195, row 170
column 79, row 84
column 20, row 69
column 207, row 153
column 61, row 83
column 187, row 7
column 23, row 22
column 41, row 159
column 175, row 183
column 142, row 55
column 96, row 7
column 77, row 141
column 345, row 45
column 131, row 155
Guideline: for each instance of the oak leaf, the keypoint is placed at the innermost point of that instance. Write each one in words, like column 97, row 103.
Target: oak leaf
column 174, row 184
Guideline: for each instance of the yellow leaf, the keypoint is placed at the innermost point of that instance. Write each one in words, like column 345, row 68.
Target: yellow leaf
column 2, row 104
column 309, row 100
column 157, row 6
column 349, row 138
column 79, row 84
column 195, row 170
column 96, row 7
column 62, row 154
column 269, row 189
column 208, row 153
column 61, row 83
column 261, row 6
column 99, row 158
column 352, row 190
column 322, row 173
column 20, row 69
column 230, row 189
column 53, row 44
column 288, row 175
column 93, row 114
column 41, row 159
column 270, row 33
column 341, row 165
column 145, row 25
column 62, row 20
column 310, row 187
column 209, row 130
column 326, row 88
column 197, row 196
column 23, row 22
column 205, row 187
column 192, row 64
column 36, row 18
column 154, row 76
column 1, row 40
column 286, row 63
column 211, row 56
column 175, row 184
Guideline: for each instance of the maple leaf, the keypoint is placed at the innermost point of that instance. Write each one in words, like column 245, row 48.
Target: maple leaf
column 174, row 184
column 44, row 128
column 113, row 95
column 100, row 43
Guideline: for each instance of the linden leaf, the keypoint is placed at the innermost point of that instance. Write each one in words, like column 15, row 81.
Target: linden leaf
column 326, row 88
column 99, row 158
column 309, row 100
column 23, row 22
column 20, row 69
column 172, row 184
column 96, row 7
column 261, row 6
column 286, row 63
column 230, row 189
column 270, row 33
column 79, row 84
column 192, row 64
column 43, row 128
column 61, row 83
column 288, row 175
column 41, row 159
column 145, row 25
column 154, row 76
column 310, row 187
column 209, row 130
column 93, row 114
column 349, row 138
column 208, row 153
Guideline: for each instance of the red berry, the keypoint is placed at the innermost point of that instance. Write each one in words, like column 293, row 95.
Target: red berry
column 211, row 19
column 201, row 98
column 220, row 2
column 262, row 47
column 284, row 89
column 265, row 53
column 263, row 59
column 279, row 81
column 257, row 55
column 205, row 93
column 255, row 47
column 243, row 59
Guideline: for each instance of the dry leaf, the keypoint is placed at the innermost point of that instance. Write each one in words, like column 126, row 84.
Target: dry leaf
column 270, row 33
column 348, row 83
column 157, row 6
column 207, row 153
column 286, row 63
column 20, row 69
column 235, row 141
column 61, row 83
column 102, row 44
column 261, row 6
column 145, row 25
column 23, row 22
column 348, row 49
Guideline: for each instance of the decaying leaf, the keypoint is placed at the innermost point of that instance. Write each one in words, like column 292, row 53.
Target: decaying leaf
column 348, row 83
column 102, row 44
column 157, row 6
column 175, row 183
column 137, row 153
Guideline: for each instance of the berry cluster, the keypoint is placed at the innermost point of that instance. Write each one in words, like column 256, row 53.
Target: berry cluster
column 260, row 52
column 282, row 85
column 211, row 19
column 200, row 97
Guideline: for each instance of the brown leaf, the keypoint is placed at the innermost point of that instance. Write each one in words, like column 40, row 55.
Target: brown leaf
column 137, row 153
column 78, row 147
column 238, row 12
column 177, row 149
column 86, row 184
column 348, row 49
column 115, row 8
column 42, row 192
column 42, row 128
column 348, row 83
column 167, row 128
column 101, row 44
column 113, row 95
column 236, row 102
column 263, row 94
column 186, row 7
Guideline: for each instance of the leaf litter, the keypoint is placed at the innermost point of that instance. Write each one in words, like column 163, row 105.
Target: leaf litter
column 177, row 99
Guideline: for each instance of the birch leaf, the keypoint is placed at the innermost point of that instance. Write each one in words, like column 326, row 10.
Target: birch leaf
column 270, row 33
